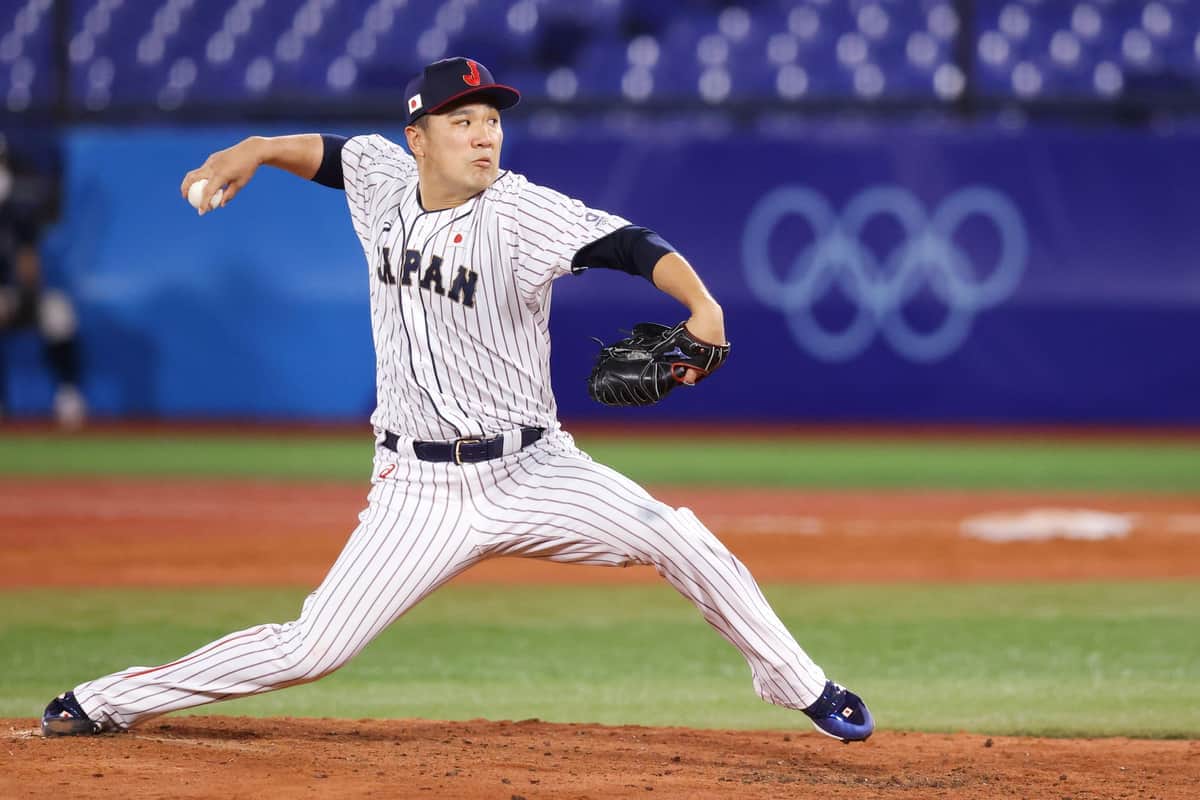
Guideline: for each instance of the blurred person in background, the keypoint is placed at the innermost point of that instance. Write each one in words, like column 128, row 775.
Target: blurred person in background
column 27, row 201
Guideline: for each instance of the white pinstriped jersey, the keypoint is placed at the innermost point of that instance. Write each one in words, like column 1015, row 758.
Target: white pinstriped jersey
column 460, row 298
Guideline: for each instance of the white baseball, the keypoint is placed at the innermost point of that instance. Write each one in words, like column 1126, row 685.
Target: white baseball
column 196, row 194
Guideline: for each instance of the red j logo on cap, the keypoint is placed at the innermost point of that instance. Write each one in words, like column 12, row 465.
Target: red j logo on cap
column 472, row 77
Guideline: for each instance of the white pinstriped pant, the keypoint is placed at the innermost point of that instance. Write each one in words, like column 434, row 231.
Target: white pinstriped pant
column 427, row 522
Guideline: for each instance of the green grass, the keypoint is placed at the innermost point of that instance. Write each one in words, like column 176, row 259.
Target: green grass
column 901, row 463
column 1077, row 659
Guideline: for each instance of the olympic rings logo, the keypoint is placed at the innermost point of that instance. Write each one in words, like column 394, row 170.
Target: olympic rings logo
column 880, row 285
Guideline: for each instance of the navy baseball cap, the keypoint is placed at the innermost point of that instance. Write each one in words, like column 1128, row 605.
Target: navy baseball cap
column 450, row 79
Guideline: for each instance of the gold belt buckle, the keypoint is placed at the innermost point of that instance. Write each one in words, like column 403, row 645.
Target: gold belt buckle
column 458, row 443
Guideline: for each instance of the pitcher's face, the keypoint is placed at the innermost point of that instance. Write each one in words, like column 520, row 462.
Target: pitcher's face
column 459, row 150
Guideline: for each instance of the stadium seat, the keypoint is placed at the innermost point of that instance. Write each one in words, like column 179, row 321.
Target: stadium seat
column 169, row 53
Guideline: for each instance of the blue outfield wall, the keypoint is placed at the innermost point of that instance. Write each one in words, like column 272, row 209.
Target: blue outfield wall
column 901, row 273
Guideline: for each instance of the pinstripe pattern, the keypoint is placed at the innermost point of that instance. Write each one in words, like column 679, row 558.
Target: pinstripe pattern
column 444, row 369
column 557, row 503
column 426, row 523
column 454, row 364
column 412, row 537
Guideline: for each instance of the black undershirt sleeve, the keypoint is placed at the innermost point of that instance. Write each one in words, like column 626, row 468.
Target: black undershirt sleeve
column 631, row 249
column 330, row 172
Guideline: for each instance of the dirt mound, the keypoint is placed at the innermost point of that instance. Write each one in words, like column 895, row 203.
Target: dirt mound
column 192, row 757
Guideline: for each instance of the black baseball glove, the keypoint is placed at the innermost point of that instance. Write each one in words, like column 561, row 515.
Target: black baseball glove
column 653, row 360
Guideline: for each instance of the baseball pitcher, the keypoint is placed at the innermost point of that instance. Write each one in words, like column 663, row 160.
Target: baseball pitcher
column 470, row 460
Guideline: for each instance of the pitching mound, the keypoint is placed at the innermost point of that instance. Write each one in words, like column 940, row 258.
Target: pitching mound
column 186, row 757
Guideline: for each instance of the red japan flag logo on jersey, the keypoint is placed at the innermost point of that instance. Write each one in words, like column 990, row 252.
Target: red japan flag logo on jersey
column 414, row 103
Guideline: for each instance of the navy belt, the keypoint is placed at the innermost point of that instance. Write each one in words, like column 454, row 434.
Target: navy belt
column 467, row 450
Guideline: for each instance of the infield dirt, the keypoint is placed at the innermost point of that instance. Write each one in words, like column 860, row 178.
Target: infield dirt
column 231, row 757
column 145, row 533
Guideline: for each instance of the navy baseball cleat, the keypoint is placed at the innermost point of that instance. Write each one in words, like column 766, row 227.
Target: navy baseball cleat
column 842, row 714
column 65, row 717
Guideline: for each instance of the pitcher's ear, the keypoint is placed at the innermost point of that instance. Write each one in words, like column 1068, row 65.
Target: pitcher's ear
column 415, row 135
